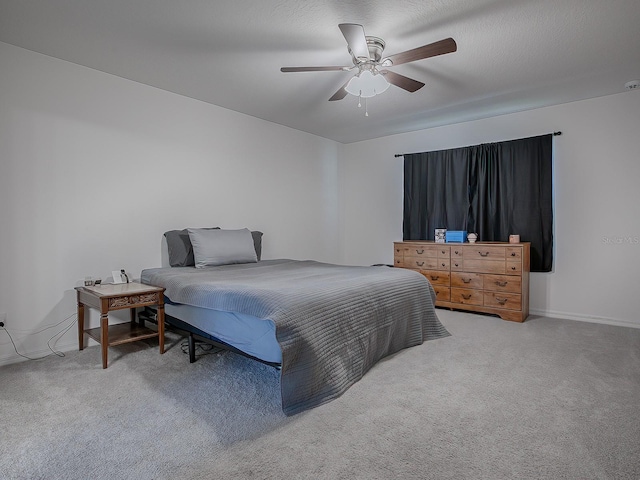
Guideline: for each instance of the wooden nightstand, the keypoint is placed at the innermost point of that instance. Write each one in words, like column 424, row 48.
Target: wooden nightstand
column 106, row 298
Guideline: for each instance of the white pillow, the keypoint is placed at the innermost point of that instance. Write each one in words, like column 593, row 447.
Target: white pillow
column 222, row 247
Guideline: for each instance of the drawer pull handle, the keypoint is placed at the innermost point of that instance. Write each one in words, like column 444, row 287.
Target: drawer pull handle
column 443, row 252
column 456, row 252
column 513, row 254
column 501, row 301
column 420, row 264
column 501, row 284
column 443, row 264
column 435, row 277
column 457, row 265
column 466, row 296
column 485, row 254
column 466, row 280
column 513, row 268
column 419, row 252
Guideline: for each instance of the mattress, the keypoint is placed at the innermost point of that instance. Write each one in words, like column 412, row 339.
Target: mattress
column 252, row 335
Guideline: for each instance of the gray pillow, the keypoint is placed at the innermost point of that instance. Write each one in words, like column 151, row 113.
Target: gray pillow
column 257, row 243
column 179, row 248
column 213, row 247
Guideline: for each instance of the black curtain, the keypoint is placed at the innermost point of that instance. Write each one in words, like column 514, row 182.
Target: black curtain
column 494, row 190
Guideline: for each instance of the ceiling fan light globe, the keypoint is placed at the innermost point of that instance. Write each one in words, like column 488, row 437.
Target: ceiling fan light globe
column 367, row 85
column 380, row 83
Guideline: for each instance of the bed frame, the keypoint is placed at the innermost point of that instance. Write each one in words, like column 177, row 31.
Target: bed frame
column 149, row 314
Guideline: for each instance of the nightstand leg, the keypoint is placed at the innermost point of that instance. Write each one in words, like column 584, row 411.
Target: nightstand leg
column 80, row 326
column 104, row 337
column 160, row 319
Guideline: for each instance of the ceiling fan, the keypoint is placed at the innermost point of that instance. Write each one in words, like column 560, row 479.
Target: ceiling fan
column 372, row 77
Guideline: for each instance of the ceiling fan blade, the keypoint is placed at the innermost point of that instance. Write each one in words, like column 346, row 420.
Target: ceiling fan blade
column 354, row 35
column 313, row 69
column 341, row 93
column 406, row 83
column 448, row 45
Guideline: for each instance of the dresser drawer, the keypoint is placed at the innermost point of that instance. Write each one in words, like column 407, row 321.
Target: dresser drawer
column 443, row 264
column 514, row 268
column 466, row 296
column 421, row 251
column 484, row 266
column 424, row 263
column 466, row 280
column 509, row 301
column 437, row 277
column 398, row 256
column 503, row 283
column 513, row 253
column 483, row 252
column 443, row 294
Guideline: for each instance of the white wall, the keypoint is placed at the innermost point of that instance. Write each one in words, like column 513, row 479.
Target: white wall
column 94, row 168
column 597, row 199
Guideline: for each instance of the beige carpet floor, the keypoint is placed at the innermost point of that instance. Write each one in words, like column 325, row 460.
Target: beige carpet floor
column 547, row 399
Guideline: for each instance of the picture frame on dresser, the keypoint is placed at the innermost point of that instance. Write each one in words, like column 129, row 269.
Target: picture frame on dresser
column 485, row 277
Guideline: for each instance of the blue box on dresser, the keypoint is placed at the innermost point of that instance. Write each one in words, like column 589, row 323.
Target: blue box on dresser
column 456, row 236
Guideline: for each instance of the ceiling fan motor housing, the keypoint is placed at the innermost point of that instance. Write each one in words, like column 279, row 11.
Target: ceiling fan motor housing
column 376, row 47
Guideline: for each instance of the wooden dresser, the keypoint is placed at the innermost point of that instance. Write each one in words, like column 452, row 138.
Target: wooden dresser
column 488, row 277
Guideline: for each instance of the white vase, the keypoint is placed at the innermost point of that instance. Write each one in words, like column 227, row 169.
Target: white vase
column 472, row 237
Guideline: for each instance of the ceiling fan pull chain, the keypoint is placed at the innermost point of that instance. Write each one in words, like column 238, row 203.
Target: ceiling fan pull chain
column 359, row 99
column 366, row 112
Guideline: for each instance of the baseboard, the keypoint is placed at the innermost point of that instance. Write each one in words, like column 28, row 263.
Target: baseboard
column 584, row 318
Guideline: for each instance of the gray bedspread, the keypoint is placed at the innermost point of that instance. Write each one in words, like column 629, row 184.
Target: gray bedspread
column 333, row 323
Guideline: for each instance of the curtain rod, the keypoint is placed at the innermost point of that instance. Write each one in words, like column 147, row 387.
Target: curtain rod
column 555, row 134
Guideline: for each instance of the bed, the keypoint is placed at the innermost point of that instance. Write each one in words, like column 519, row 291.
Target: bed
column 324, row 325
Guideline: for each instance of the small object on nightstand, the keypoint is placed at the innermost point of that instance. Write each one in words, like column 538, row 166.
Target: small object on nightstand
column 472, row 237
column 514, row 238
column 441, row 234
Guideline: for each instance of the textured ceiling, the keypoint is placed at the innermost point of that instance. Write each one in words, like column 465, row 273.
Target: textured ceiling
column 512, row 54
